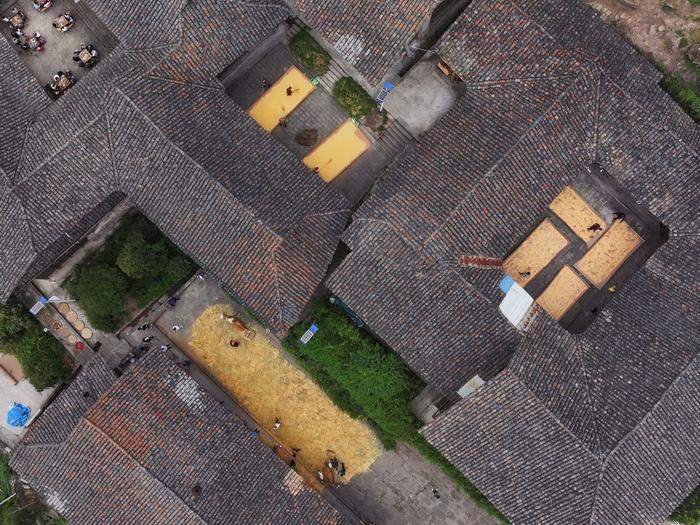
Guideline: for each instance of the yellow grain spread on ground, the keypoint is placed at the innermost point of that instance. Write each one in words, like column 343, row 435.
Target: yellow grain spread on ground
column 609, row 253
column 539, row 249
column 562, row 293
column 275, row 104
column 340, row 149
column 577, row 214
column 267, row 385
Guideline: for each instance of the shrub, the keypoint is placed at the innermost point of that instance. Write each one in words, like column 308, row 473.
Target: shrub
column 688, row 512
column 683, row 93
column 102, row 291
column 13, row 321
column 310, row 53
column 365, row 379
column 44, row 360
column 353, row 99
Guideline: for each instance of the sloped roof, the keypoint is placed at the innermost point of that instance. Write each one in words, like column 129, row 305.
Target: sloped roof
column 153, row 122
column 369, row 35
column 133, row 451
column 612, row 405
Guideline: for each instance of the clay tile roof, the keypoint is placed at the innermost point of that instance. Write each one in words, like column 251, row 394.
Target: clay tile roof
column 575, row 421
column 369, row 35
column 152, row 123
column 136, row 450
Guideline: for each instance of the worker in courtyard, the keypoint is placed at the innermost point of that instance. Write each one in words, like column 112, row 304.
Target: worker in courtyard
column 595, row 227
column 277, row 424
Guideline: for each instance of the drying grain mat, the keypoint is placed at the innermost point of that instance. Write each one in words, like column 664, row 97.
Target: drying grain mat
column 71, row 316
column 72, row 339
column 539, row 249
column 63, row 308
column 578, row 215
column 79, row 325
column 340, row 149
column 269, row 386
column 280, row 99
column 609, row 253
column 86, row 333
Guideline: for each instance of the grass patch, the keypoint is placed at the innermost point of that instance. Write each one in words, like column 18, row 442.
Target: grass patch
column 138, row 262
column 44, row 360
column 688, row 512
column 367, row 380
column 310, row 53
column 694, row 3
column 353, row 98
column 18, row 512
column 684, row 94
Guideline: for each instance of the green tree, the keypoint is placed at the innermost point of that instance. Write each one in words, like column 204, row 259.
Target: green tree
column 102, row 291
column 688, row 512
column 42, row 357
column 13, row 321
column 353, row 98
column 139, row 259
column 178, row 268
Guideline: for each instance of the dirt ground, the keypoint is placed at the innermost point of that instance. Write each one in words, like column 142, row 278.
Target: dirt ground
column 661, row 33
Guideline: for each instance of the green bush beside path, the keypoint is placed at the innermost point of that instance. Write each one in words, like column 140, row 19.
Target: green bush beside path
column 367, row 380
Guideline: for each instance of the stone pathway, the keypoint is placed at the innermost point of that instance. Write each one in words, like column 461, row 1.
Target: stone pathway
column 398, row 490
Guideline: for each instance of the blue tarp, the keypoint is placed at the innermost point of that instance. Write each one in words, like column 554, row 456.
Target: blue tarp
column 506, row 283
column 18, row 415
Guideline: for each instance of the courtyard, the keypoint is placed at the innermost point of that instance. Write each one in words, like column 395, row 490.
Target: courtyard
column 347, row 155
column 56, row 53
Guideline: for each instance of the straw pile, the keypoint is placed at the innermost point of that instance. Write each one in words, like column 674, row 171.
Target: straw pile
column 268, row 386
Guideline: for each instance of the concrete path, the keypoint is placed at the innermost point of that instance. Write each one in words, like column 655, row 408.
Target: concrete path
column 398, row 490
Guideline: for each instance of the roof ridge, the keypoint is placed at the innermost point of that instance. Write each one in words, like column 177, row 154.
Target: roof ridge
column 515, row 80
column 624, row 438
column 553, row 415
column 255, row 217
column 579, row 350
column 59, row 150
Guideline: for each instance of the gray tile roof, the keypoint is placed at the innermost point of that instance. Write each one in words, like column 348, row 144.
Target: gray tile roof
column 369, row 35
column 152, row 122
column 134, row 452
column 575, row 421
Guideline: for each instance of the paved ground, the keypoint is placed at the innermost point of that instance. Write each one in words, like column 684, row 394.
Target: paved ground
column 398, row 490
column 58, row 52
column 422, row 97
column 21, row 392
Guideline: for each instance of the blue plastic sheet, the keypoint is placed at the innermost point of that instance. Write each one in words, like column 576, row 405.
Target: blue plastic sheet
column 18, row 415
column 506, row 283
